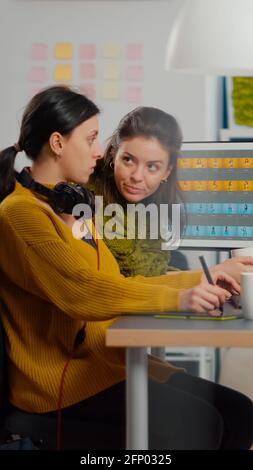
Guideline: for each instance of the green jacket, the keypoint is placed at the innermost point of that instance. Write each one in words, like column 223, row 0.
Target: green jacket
column 138, row 256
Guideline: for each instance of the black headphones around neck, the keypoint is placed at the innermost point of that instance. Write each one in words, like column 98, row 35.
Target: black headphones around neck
column 63, row 197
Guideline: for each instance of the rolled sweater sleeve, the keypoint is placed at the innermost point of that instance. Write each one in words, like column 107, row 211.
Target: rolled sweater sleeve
column 177, row 279
column 68, row 282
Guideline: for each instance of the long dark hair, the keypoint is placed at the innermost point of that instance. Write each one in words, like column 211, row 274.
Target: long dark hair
column 55, row 109
column 141, row 122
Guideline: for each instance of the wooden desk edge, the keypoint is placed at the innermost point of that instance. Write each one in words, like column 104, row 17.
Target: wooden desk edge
column 196, row 338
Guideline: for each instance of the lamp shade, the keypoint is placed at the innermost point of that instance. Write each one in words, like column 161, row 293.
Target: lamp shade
column 212, row 36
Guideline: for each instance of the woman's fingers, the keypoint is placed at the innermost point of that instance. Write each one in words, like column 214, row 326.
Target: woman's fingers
column 208, row 296
column 244, row 259
column 198, row 304
column 222, row 293
column 215, row 313
column 227, row 280
column 202, row 298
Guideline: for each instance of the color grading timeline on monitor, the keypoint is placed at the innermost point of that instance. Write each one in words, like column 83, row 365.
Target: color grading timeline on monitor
column 216, row 183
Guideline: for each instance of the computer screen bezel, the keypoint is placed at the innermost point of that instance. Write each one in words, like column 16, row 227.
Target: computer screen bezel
column 219, row 244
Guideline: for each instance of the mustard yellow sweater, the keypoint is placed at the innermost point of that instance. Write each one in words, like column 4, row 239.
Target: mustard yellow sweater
column 50, row 285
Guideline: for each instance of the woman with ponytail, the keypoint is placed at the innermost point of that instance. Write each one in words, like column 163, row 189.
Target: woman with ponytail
column 7, row 178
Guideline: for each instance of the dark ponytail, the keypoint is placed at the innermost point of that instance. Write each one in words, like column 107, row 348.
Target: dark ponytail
column 7, row 178
column 55, row 109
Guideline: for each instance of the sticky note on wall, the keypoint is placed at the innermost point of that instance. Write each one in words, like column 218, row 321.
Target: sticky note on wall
column 87, row 71
column 89, row 90
column 39, row 51
column 87, row 51
column 111, row 72
column 111, row 50
column 134, row 72
column 63, row 50
column 33, row 91
column 37, row 74
column 134, row 94
column 63, row 72
column 134, row 51
column 110, row 91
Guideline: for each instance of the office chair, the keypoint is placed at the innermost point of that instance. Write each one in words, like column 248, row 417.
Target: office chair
column 178, row 260
column 41, row 429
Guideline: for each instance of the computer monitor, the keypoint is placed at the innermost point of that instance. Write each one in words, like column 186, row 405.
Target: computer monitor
column 216, row 182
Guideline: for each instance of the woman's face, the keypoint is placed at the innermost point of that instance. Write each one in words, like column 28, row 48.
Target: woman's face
column 140, row 165
column 80, row 151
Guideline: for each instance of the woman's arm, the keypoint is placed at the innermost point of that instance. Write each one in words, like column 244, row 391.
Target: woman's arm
column 36, row 258
column 235, row 266
column 177, row 279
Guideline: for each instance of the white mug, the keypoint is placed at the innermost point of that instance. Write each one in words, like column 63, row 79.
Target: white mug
column 248, row 251
column 247, row 295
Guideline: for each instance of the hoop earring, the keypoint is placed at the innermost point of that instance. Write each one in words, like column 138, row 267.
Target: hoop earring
column 111, row 165
column 164, row 181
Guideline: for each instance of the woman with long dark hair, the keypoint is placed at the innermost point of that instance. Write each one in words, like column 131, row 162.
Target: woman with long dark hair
column 140, row 168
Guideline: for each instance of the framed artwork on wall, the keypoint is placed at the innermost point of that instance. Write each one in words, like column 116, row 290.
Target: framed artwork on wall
column 239, row 101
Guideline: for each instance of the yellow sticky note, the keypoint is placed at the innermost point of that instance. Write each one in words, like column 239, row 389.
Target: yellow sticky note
column 111, row 72
column 110, row 91
column 63, row 72
column 63, row 50
column 111, row 50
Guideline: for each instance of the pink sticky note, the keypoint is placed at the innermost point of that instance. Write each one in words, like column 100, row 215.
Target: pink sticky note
column 37, row 74
column 134, row 51
column 87, row 51
column 134, row 94
column 134, row 72
column 39, row 51
column 89, row 90
column 87, row 71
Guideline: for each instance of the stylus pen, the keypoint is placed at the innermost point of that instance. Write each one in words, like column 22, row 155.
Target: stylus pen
column 208, row 274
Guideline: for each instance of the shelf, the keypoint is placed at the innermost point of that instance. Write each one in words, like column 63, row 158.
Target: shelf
column 244, row 134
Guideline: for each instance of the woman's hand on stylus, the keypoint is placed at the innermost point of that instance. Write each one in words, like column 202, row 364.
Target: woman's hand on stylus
column 224, row 280
column 203, row 298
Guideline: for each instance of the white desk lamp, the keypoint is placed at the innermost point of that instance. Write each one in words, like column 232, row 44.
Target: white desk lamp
column 212, row 37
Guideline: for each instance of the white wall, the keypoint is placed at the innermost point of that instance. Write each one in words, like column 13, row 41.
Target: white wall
column 26, row 21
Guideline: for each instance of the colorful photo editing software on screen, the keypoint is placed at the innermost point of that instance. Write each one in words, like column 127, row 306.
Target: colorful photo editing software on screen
column 216, row 183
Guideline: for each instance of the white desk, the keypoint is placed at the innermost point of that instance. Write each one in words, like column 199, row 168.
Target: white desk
column 137, row 333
